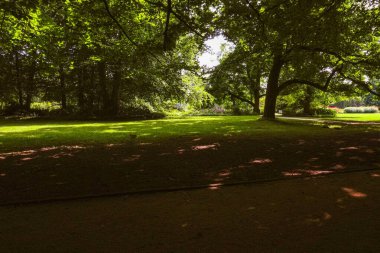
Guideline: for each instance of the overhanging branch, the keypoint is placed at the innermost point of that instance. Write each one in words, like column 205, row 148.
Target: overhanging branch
column 337, row 55
column 362, row 84
column 240, row 98
column 323, row 87
column 178, row 16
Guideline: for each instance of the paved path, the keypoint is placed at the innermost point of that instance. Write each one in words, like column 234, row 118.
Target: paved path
column 336, row 213
column 331, row 121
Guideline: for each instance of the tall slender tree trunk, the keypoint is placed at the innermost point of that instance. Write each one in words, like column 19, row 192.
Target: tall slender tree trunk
column 92, row 86
column 62, row 84
column 103, row 86
column 256, row 93
column 18, row 81
column 80, row 90
column 30, row 85
column 256, row 97
column 115, row 96
column 272, row 88
column 308, row 99
column 254, row 85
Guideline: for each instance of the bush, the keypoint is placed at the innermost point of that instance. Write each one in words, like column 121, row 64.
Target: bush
column 292, row 112
column 372, row 109
column 45, row 106
column 320, row 112
column 324, row 112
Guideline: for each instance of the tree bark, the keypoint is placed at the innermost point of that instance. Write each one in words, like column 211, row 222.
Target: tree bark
column 62, row 84
column 256, row 97
column 80, row 89
column 308, row 100
column 256, row 93
column 92, row 86
column 272, row 88
column 115, row 95
column 103, row 86
column 18, row 82
column 30, row 85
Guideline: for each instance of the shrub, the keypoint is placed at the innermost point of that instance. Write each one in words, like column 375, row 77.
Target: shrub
column 372, row 109
column 292, row 112
column 324, row 112
column 315, row 112
column 45, row 106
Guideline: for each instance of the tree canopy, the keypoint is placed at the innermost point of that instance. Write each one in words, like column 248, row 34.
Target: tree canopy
column 103, row 57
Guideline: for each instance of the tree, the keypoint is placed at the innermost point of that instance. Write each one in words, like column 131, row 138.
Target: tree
column 315, row 43
column 238, row 77
column 96, row 57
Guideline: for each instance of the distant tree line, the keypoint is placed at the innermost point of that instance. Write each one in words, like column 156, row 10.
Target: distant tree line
column 109, row 57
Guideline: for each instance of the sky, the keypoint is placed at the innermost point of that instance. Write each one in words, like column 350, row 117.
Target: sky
column 210, row 58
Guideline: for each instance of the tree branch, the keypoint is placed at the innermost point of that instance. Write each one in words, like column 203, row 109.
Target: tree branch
column 362, row 84
column 179, row 17
column 123, row 31
column 241, row 98
column 307, row 82
column 337, row 55
column 166, row 32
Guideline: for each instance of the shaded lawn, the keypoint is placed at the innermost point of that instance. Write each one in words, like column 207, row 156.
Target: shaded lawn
column 47, row 160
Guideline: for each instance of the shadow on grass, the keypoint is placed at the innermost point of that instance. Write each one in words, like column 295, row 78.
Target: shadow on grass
column 139, row 165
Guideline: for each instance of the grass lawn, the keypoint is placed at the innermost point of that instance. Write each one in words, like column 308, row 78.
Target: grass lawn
column 37, row 133
column 372, row 117
column 53, row 159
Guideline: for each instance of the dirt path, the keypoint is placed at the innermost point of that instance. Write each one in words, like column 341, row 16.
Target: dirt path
column 335, row 213
column 332, row 121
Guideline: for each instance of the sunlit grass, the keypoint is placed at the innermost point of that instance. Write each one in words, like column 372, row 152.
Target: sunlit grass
column 25, row 134
column 374, row 117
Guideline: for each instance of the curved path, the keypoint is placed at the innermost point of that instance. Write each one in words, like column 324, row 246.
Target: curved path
column 337, row 213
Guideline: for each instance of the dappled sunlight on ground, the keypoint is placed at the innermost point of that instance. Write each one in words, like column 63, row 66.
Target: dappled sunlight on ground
column 299, row 172
column 260, row 161
column 318, row 220
column 129, row 162
column 354, row 193
column 213, row 146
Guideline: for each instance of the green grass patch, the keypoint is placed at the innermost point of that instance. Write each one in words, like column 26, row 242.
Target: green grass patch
column 16, row 134
column 372, row 117
column 34, row 133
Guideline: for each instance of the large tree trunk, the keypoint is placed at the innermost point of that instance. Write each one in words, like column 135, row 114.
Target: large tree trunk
column 272, row 88
column 62, row 84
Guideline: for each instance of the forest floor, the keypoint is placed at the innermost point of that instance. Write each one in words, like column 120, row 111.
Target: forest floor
column 73, row 161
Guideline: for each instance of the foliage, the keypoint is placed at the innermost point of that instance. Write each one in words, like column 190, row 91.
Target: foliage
column 324, row 112
column 97, row 58
column 315, row 43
